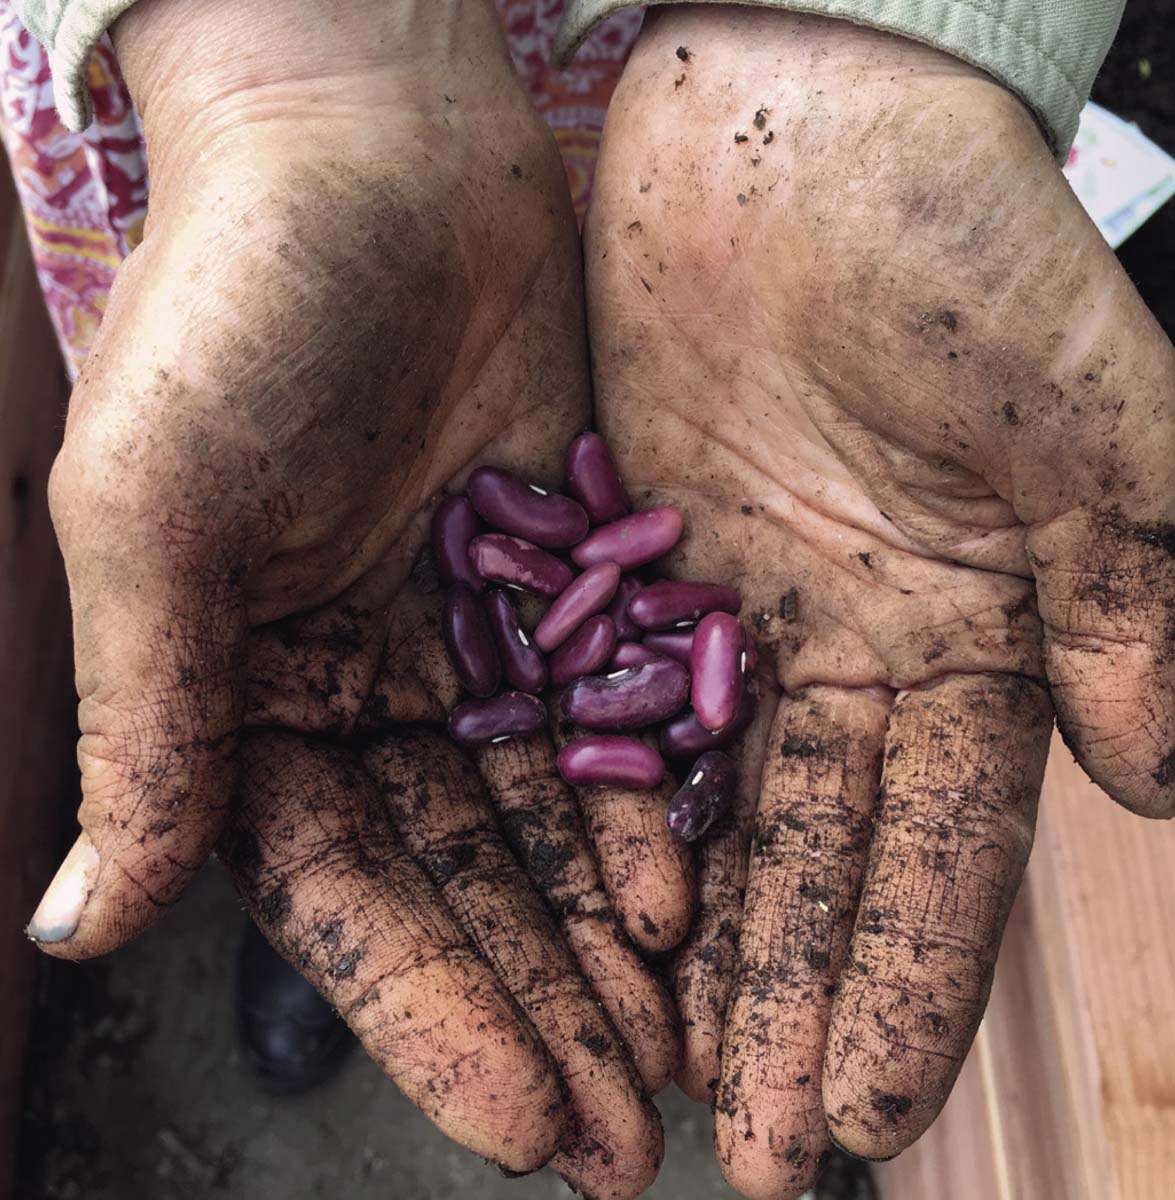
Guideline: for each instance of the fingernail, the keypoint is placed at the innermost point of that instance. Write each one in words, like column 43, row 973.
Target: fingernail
column 859, row 1157
column 60, row 910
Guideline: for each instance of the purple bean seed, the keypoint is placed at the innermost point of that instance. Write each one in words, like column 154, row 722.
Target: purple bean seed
column 610, row 761
column 706, row 795
column 593, row 480
column 584, row 652
column 631, row 541
column 583, row 598
column 627, row 630
column 716, row 667
column 629, row 699
column 522, row 664
column 469, row 641
column 509, row 560
column 670, row 603
column 678, row 645
column 508, row 714
column 685, row 736
column 632, row 654
column 454, row 526
column 526, row 510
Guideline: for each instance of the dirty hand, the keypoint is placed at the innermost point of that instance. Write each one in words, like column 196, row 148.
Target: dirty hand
column 360, row 278
column 844, row 308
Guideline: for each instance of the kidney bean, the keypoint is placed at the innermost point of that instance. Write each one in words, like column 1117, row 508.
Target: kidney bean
column 525, row 510
column 706, row 795
column 505, row 715
column 678, row 645
column 509, row 560
column 582, row 598
column 469, row 641
column 593, row 480
column 716, row 670
column 685, row 736
column 454, row 526
column 627, row 630
column 629, row 699
column 610, row 761
column 631, row 654
column 631, row 541
column 522, row 664
column 584, row 652
column 671, row 602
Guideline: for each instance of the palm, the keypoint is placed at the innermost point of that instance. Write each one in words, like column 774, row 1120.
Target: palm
column 900, row 412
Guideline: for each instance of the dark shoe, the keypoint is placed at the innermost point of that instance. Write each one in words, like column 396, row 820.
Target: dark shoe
column 292, row 1038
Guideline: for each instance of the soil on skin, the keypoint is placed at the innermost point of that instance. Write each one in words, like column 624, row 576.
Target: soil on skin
column 98, row 1028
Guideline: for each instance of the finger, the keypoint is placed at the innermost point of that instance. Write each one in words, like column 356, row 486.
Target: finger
column 808, row 854
column 1095, row 493
column 316, row 862
column 436, row 800
column 704, row 965
column 541, row 820
column 647, row 873
column 158, row 634
column 1106, row 592
column 964, row 762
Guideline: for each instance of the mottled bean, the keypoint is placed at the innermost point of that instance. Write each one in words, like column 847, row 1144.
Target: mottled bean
column 706, row 795
column 469, row 641
column 609, row 761
column 672, row 602
column 593, row 480
column 454, row 526
column 523, row 665
column 716, row 668
column 629, row 699
column 631, row 541
column 584, row 652
column 501, row 558
column 582, row 598
column 508, row 714
column 526, row 510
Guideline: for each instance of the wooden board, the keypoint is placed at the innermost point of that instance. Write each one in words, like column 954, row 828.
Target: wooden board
column 1069, row 1093
column 37, row 767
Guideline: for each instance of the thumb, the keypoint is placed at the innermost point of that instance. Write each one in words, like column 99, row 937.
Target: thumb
column 159, row 631
column 1105, row 563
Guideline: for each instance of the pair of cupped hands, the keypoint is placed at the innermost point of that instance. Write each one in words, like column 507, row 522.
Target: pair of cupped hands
column 843, row 310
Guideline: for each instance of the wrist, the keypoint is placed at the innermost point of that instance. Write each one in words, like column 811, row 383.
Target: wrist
column 200, row 72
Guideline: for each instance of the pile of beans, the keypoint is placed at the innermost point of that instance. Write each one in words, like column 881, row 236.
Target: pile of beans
column 635, row 658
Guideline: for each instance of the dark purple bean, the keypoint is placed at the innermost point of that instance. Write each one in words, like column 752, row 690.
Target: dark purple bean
column 509, row 560
column 631, row 541
column 507, row 715
column 454, row 526
column 522, row 664
column 716, row 669
column 670, row 603
column 632, row 654
column 469, row 641
column 627, row 630
column 584, row 652
column 679, row 644
column 706, row 795
column 525, row 510
column 593, row 480
column 583, row 598
column 686, row 736
column 610, row 761
column 629, row 699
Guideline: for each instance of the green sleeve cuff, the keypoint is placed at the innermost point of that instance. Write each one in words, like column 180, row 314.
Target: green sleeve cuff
column 1046, row 51
column 69, row 30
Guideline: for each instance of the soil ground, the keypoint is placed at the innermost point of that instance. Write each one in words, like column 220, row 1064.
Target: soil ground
column 134, row 1085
